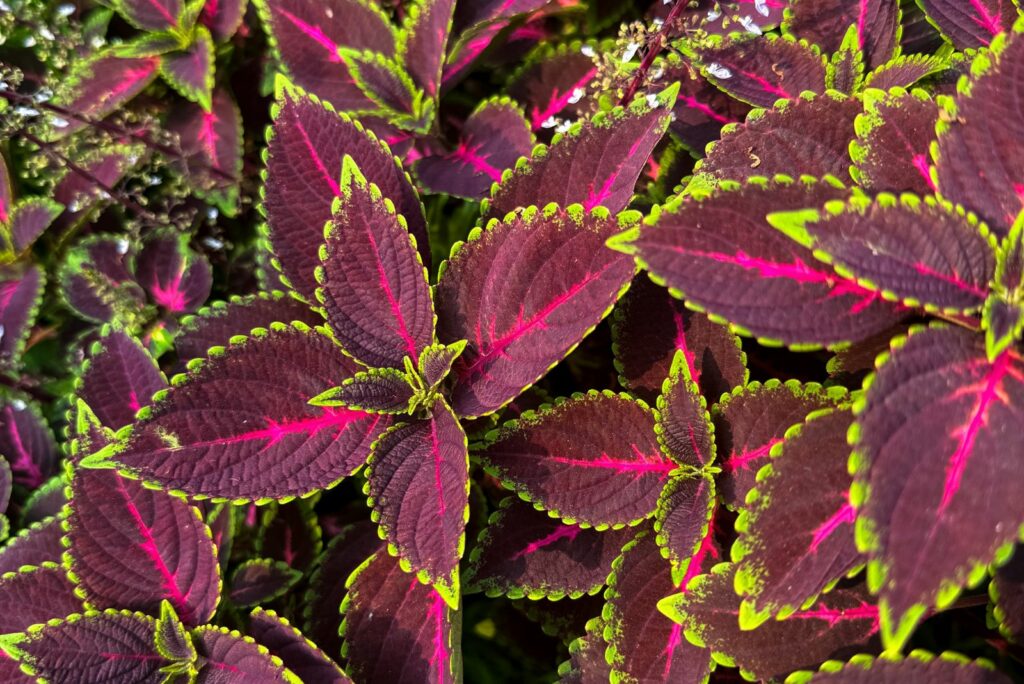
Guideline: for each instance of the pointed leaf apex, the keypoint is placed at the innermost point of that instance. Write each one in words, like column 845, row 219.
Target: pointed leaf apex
column 623, row 242
column 9, row 642
column 283, row 87
column 350, row 174
column 750, row 618
column 101, row 460
column 327, row 398
column 680, row 366
column 669, row 607
column 668, row 96
column 793, row 224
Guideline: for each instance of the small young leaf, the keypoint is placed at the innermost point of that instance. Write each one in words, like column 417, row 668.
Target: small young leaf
column 970, row 25
column 119, row 378
column 175, row 277
column 436, row 362
column 21, row 290
column 684, row 427
column 261, row 580
column 825, row 22
column 893, row 136
column 35, row 594
column 222, row 650
column 388, row 87
column 190, row 71
column 378, row 390
column 96, row 283
column 300, row 655
column 27, row 442
column 172, row 639
column 424, row 40
column 29, row 219
column 102, row 83
column 905, row 70
column 586, row 664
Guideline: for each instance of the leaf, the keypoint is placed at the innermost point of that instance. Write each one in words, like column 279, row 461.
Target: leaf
column 272, row 445
column 760, row 70
column 190, row 71
column 905, row 70
column 418, row 473
column 152, row 15
column 6, row 484
column 96, row 283
column 436, row 362
column 809, row 135
column 552, row 82
column 378, row 390
column 397, row 629
column 27, row 442
column 525, row 292
column 846, row 67
column 747, row 273
column 21, row 291
column 6, row 193
column 299, row 654
column 80, row 196
column 933, row 528
column 838, row 624
column 175, row 277
column 305, row 149
column 100, row 84
column 889, row 668
column 373, row 286
column 222, row 650
column 29, row 219
column 753, row 420
column 172, row 638
column 118, row 379
column 684, row 429
column 919, row 252
column 223, row 17
column 825, row 22
column 36, row 544
column 649, row 326
column 683, row 518
column 387, row 86
column 523, row 552
column 46, row 501
column 493, row 137
column 423, row 42
column 971, row 25
column 306, row 37
column 596, row 162
column 592, row 459
column 35, row 594
column 642, row 644
column 1002, row 317
column 796, row 529
column 261, row 580
column 290, row 532
column 1007, row 593
column 978, row 164
column 894, row 133
column 586, row 664
column 115, row 645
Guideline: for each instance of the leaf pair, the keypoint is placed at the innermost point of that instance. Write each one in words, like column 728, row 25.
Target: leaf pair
column 22, row 221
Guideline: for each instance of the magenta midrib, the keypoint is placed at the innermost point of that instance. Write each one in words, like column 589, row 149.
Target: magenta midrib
column 681, row 345
column 845, row 515
column 150, row 548
column 335, row 188
column 556, row 102
column 832, row 616
column 705, row 109
column 4, row 215
column 314, row 32
column 989, row 22
column 208, row 138
column 569, row 532
column 164, row 13
column 130, row 78
column 648, row 463
column 740, row 461
column 862, row 19
column 438, row 486
column 440, row 655
column 471, row 156
column 593, row 199
column 953, row 280
column 396, row 311
column 171, row 297
column 25, row 461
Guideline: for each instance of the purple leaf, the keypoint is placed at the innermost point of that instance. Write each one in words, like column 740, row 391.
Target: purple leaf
column 839, row 624
column 304, row 157
column 229, row 656
column 217, row 323
column 172, row 638
column 809, row 135
column 396, row 629
column 273, row 445
column 846, row 67
column 552, row 83
column 921, row 252
column 153, row 15
column 919, row 667
column 752, row 275
column 436, row 362
column 684, row 429
column 29, row 219
column 931, row 528
column 977, row 164
column 825, row 23
column 34, row 545
column 118, row 379
column 760, row 70
column 796, row 529
column 649, row 326
column 261, row 580
column 190, row 71
column 6, row 484
column 642, row 644
column 586, row 664
column 524, row 552
column 102, row 83
column 378, row 390
column 113, row 645
column 223, row 17
column 904, row 71
column 753, row 420
column 418, row 483
column 1007, row 593
column 971, row 24
column 387, row 86
column 592, row 459
column 34, row 595
column 682, row 521
column 96, row 283
column 298, row 654
column 494, row 136
column 46, row 501
column 27, row 442
column 175, row 277
column 894, row 133
column 596, row 162
column 211, row 142
column 291, row 533
column 424, row 40
column 860, row 357
column 21, row 291
column 307, row 36
column 374, row 288
column 525, row 292
column 80, row 196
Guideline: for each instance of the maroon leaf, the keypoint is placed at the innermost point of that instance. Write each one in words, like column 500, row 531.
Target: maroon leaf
column 424, row 40
column 838, row 625
column 100, row 84
column 753, row 420
column 21, row 290
column 308, row 35
column 684, row 428
column 494, row 136
column 36, row 594
column 905, row 70
column 29, row 219
column 374, row 288
column 825, row 23
column 397, row 629
column 153, row 15
column 894, row 133
column 290, row 532
column 523, row 552
column 796, row 532
column 762, row 70
column 96, row 283
column 592, row 459
column 919, row 667
column 524, row 293
column 119, row 378
column 272, row 445
column 552, row 83
column 977, row 164
column 46, row 501
column 972, row 24
column 809, row 135
column 649, row 326
column 418, row 486
column 955, row 411
column 34, row 545
column 745, row 271
column 175, row 277
column 27, row 442
column 595, row 163
column 6, row 484
column 223, row 17
column 80, row 195
column 389, row 88
column 682, row 521
column 298, row 654
column 378, row 390
column 1007, row 592
column 221, row 650
column 586, row 664
column 261, row 580
column 304, row 157
column 437, row 360
column 190, row 71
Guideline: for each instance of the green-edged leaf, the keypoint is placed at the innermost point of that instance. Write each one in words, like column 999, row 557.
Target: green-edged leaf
column 190, row 71
column 890, row 152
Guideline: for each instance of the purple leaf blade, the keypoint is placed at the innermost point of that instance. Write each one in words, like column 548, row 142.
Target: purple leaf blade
column 118, row 379
column 222, row 650
column 904, row 71
column 683, row 521
column 525, row 292
column 190, row 71
column 825, row 22
column 955, row 408
column 101, row 84
column 96, row 282
column 609, row 474
column 34, row 595
column 21, row 291
column 223, row 17
column 684, row 428
column 972, row 24
column 298, row 653
column 894, row 133
column 418, row 484
column 29, row 219
column 274, row 445
column 36, row 544
column 586, row 664
column 552, row 82
column 378, row 390
column 918, row 666
column 261, row 580
column 27, row 442
column 423, row 42
column 373, row 286
column 153, row 15
column 175, row 277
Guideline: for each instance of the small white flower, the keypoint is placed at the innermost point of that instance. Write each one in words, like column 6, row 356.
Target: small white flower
column 577, row 95
column 587, row 50
column 66, row 9
column 630, row 51
column 762, row 7
column 549, row 122
column 719, row 71
column 751, row 25
column 18, row 404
